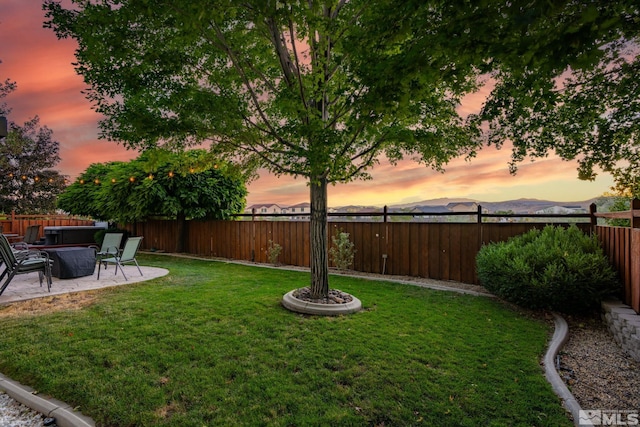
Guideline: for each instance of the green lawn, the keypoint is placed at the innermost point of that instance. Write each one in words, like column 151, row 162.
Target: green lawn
column 210, row 345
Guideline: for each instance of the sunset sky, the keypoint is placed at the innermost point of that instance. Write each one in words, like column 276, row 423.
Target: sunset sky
column 49, row 87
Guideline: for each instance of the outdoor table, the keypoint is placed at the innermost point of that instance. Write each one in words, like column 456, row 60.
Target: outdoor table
column 72, row 262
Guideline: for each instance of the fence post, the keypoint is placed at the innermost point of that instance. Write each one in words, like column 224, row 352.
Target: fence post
column 13, row 222
column 384, row 211
column 479, row 214
column 632, row 289
column 253, row 234
column 592, row 216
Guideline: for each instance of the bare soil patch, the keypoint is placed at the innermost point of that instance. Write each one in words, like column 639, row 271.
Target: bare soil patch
column 49, row 304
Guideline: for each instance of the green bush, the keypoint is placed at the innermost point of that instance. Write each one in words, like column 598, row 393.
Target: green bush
column 273, row 252
column 556, row 269
column 342, row 251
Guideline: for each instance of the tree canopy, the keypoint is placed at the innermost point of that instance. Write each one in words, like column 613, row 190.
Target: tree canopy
column 163, row 184
column 180, row 186
column 28, row 184
column 322, row 89
column 585, row 108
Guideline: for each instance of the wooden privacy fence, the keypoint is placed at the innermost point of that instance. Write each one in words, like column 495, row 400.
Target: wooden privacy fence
column 622, row 246
column 444, row 251
column 17, row 224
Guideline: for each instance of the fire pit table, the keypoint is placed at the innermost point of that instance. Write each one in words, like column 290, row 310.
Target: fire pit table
column 72, row 262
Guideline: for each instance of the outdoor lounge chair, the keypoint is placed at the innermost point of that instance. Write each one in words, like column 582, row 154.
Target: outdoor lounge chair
column 127, row 256
column 26, row 262
column 110, row 246
column 31, row 235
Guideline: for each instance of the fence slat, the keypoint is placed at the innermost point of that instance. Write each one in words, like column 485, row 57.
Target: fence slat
column 633, row 279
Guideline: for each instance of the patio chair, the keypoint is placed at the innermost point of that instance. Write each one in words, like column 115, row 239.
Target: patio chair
column 127, row 256
column 31, row 235
column 110, row 246
column 31, row 262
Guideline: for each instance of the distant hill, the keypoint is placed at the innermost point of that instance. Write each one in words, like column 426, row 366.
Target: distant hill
column 530, row 206
column 516, row 206
column 444, row 201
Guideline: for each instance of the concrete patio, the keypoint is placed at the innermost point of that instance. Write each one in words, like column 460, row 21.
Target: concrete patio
column 27, row 286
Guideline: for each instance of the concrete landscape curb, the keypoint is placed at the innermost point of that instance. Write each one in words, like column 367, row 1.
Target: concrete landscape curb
column 299, row 306
column 560, row 336
column 65, row 415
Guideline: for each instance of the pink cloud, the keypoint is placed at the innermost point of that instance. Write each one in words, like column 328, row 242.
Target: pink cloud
column 49, row 87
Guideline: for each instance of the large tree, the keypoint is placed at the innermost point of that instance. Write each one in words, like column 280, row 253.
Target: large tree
column 82, row 197
column 318, row 89
column 189, row 185
column 28, row 185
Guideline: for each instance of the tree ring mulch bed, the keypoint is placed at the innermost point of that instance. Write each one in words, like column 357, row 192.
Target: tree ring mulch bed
column 335, row 296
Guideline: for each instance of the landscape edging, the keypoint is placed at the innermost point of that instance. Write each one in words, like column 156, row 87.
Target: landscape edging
column 560, row 336
column 64, row 415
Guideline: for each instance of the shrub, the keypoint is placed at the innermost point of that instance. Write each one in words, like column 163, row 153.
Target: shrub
column 619, row 204
column 273, row 252
column 556, row 269
column 342, row 250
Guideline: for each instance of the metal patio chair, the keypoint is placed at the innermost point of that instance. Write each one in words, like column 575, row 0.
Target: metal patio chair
column 110, row 246
column 31, row 235
column 127, row 256
column 25, row 262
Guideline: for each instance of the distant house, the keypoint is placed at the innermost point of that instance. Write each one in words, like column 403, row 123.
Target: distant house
column 429, row 209
column 303, row 208
column 463, row 207
column 267, row 208
column 561, row 210
column 300, row 211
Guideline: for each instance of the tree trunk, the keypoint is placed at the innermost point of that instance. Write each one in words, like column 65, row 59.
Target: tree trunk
column 180, row 232
column 319, row 243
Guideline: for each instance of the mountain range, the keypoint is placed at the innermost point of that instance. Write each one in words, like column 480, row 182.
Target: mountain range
column 516, row 206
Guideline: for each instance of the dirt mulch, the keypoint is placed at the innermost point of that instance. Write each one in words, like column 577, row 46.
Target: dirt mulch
column 597, row 371
column 63, row 302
